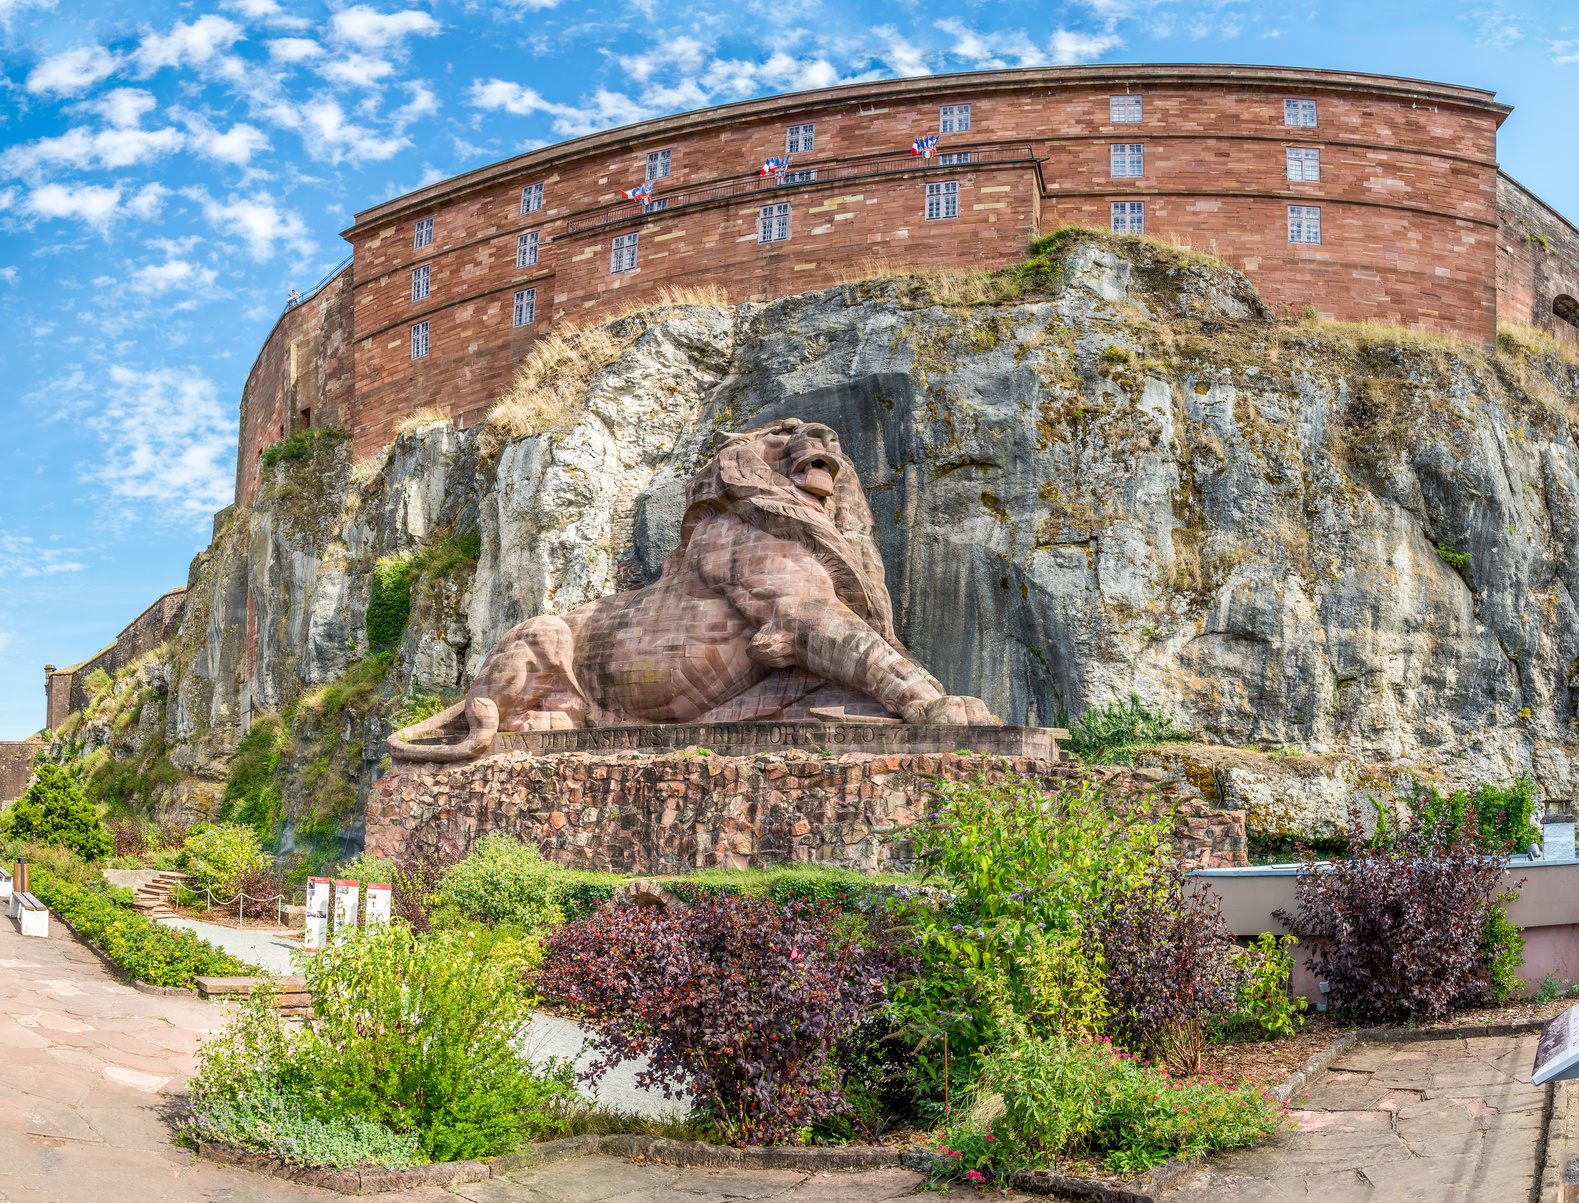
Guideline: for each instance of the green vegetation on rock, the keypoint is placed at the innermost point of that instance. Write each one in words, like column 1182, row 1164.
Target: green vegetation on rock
column 53, row 811
column 1114, row 731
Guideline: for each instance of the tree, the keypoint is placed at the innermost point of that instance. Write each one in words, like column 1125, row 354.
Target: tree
column 53, row 811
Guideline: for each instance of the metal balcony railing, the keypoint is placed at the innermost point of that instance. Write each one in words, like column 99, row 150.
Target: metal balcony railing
column 946, row 161
column 316, row 288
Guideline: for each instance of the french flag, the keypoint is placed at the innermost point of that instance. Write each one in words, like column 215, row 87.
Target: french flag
column 775, row 166
column 925, row 147
column 642, row 192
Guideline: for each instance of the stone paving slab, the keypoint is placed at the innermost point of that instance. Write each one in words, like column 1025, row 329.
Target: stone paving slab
column 1450, row 1121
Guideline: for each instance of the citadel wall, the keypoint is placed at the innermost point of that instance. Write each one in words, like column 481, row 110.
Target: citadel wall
column 1537, row 263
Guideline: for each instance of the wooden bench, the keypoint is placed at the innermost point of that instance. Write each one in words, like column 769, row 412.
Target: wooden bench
column 293, row 998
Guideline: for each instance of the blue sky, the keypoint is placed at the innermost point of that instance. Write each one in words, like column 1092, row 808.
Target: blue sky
column 169, row 170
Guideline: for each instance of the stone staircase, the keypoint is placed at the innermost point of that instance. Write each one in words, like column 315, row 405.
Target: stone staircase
column 153, row 898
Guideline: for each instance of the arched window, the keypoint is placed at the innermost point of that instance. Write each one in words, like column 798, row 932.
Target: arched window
column 1565, row 307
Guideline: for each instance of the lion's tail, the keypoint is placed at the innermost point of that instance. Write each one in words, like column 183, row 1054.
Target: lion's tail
column 481, row 717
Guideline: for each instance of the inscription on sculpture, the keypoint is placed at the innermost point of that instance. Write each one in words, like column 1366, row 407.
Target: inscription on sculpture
column 742, row 738
column 773, row 609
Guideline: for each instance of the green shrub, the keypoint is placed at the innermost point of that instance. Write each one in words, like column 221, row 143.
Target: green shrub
column 278, row 1122
column 451, row 554
column 389, row 604
column 1112, row 732
column 417, row 707
column 1264, row 997
column 415, row 1033
column 251, row 797
column 298, row 444
column 219, row 855
column 1451, row 556
column 507, row 881
column 784, row 885
column 150, row 952
column 1060, row 1095
column 54, row 812
column 1502, row 949
column 1504, row 814
column 355, row 688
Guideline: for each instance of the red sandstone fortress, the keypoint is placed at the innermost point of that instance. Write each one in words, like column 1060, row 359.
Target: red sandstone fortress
column 1362, row 196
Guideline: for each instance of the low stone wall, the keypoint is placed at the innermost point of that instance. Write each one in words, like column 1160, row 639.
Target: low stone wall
column 637, row 813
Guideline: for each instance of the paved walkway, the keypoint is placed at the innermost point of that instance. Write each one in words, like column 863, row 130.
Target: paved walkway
column 596, row 1179
column 1450, row 1121
column 266, row 949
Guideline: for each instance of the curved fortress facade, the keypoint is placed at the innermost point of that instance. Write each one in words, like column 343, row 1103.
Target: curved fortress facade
column 1358, row 196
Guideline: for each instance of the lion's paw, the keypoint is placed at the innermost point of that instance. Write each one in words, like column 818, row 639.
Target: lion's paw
column 546, row 720
column 958, row 710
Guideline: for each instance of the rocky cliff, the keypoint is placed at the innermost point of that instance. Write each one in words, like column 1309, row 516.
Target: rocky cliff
column 1110, row 470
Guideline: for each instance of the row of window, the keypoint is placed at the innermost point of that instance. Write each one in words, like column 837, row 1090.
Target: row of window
column 1304, row 221
column 1128, row 160
column 525, row 314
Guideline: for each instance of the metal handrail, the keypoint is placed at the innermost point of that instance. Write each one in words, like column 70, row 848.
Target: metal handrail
column 318, row 287
column 277, row 899
column 760, row 184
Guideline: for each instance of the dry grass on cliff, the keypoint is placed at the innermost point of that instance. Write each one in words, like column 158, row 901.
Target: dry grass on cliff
column 1520, row 338
column 549, row 388
column 426, row 416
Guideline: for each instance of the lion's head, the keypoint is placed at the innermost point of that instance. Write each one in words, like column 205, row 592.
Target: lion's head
column 791, row 479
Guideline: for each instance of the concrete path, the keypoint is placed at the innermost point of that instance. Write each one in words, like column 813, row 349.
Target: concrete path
column 1450, row 1121
column 550, row 1036
column 268, row 950
column 595, row 1179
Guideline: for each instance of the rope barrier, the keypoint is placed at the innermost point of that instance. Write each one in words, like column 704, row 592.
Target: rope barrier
column 241, row 897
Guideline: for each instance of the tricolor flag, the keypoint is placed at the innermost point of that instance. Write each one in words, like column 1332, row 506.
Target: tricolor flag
column 776, row 166
column 642, row 193
column 925, row 147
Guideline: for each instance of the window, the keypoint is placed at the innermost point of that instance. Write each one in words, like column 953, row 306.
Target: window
column 943, row 200
column 419, row 282
column 531, row 198
column 773, row 223
column 954, row 119
column 1123, row 110
column 960, row 156
column 800, row 140
column 526, row 249
column 1304, row 223
column 1304, row 165
column 526, row 307
column 419, row 340
column 1128, row 159
column 658, row 165
column 798, row 177
column 1299, row 112
column 1565, row 308
column 623, row 257
column 1129, row 217
column 655, row 206
column 424, row 234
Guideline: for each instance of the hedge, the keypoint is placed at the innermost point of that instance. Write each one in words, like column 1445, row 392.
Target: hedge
column 149, row 951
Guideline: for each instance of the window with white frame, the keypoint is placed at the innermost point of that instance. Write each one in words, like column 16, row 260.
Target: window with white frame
column 958, row 156
column 942, row 200
column 525, row 307
column 773, row 223
column 420, row 279
column 531, row 198
column 526, row 248
column 954, row 119
column 655, row 206
column 805, row 176
column 1304, row 164
column 424, row 233
column 1299, row 112
column 658, row 164
column 419, row 340
column 1127, row 159
column 622, row 258
column 1123, row 110
column 1304, row 223
column 800, row 139
column 1128, row 217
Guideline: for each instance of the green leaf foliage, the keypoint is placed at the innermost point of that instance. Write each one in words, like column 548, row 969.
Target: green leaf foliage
column 275, row 1121
column 1112, row 732
column 1504, row 814
column 389, row 604
column 251, row 796
column 299, row 444
column 149, row 951
column 54, row 812
column 1502, row 949
column 507, row 881
column 219, row 855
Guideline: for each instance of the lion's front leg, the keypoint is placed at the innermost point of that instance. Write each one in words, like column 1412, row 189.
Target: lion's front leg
column 826, row 637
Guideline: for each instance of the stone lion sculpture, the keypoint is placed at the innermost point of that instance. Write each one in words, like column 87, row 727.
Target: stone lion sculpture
column 773, row 608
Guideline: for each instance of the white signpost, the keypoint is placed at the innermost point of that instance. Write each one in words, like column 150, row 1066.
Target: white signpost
column 1557, row 1054
column 317, row 930
column 346, row 894
column 378, row 900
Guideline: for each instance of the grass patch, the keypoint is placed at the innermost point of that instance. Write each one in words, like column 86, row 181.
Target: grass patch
column 353, row 691
column 548, row 391
column 1114, row 731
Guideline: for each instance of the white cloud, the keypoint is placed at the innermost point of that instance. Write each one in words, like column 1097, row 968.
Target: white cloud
column 89, row 203
column 21, row 557
column 169, row 442
column 148, row 201
column 512, row 98
column 81, row 149
column 676, row 54
column 236, row 145
column 1014, row 48
column 1564, row 53
column 10, row 8
column 294, row 50
column 1068, row 47
column 328, row 134
column 72, row 72
column 256, row 219
column 187, row 44
column 9, row 275
column 156, row 279
column 356, row 70
column 905, row 59
column 267, row 11
column 423, row 103
column 123, row 107
column 364, row 26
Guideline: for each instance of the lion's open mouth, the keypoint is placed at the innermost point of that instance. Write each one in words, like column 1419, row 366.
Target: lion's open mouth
column 816, row 478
